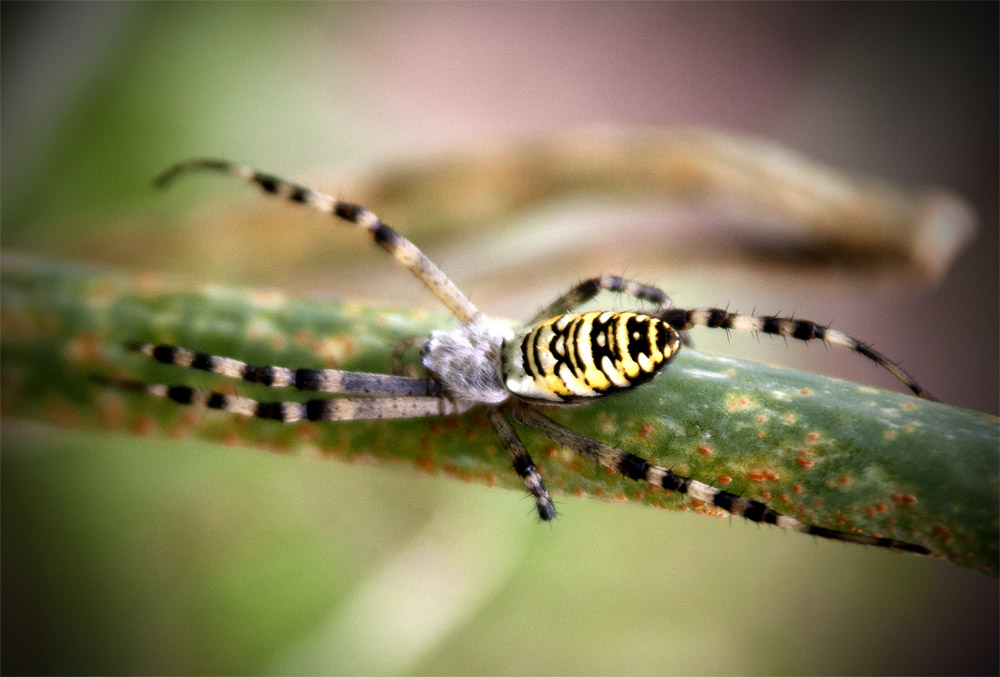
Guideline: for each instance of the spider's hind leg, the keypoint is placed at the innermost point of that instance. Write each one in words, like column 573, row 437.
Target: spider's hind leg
column 523, row 465
column 639, row 469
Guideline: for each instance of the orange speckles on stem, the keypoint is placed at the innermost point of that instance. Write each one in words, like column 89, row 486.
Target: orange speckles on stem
column 804, row 462
column 644, row 430
column 177, row 430
column 281, row 446
column 789, row 417
column 425, row 459
column 307, row 432
column 797, row 488
column 83, row 348
column 143, row 426
column 278, row 342
column 762, row 419
column 705, row 450
column 766, row 495
column 303, row 338
column 813, row 436
column 763, row 475
column 333, row 350
column 805, row 391
column 844, row 480
column 738, row 402
column 889, row 434
column 111, row 411
column 909, row 405
column 231, row 438
column 909, row 499
column 944, row 532
column 723, row 479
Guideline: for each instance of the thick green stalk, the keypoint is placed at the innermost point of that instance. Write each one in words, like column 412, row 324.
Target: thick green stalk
column 830, row 452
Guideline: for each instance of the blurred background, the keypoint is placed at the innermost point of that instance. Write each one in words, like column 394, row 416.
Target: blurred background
column 123, row 555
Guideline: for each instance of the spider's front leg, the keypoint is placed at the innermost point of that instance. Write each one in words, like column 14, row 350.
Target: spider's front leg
column 405, row 252
column 804, row 330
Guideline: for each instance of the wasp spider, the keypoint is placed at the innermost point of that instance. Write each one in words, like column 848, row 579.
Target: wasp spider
column 560, row 357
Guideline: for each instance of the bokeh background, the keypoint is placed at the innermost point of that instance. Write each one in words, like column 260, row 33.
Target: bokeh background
column 123, row 555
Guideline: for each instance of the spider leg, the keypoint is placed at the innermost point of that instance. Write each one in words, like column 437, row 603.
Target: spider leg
column 404, row 251
column 637, row 468
column 335, row 409
column 523, row 465
column 588, row 289
column 804, row 330
column 316, row 380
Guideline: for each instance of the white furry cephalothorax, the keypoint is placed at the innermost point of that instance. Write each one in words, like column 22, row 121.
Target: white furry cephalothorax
column 466, row 361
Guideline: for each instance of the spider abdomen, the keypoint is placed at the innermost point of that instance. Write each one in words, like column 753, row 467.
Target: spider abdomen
column 578, row 356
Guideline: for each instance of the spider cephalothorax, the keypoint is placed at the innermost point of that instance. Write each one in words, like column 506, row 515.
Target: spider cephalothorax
column 559, row 357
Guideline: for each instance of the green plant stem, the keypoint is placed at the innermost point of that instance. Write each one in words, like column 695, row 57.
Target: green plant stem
column 827, row 451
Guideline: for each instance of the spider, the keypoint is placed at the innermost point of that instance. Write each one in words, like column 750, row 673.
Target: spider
column 559, row 357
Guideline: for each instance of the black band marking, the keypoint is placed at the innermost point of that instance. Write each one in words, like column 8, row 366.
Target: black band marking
column 180, row 394
column 316, row 410
column 203, row 361
column 164, row 354
column 633, row 467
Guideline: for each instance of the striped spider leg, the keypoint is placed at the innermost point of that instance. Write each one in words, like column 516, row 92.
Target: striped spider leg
column 559, row 358
column 478, row 335
column 804, row 330
column 639, row 469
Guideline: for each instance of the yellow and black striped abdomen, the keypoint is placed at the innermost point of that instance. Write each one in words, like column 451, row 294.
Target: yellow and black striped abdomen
column 583, row 355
